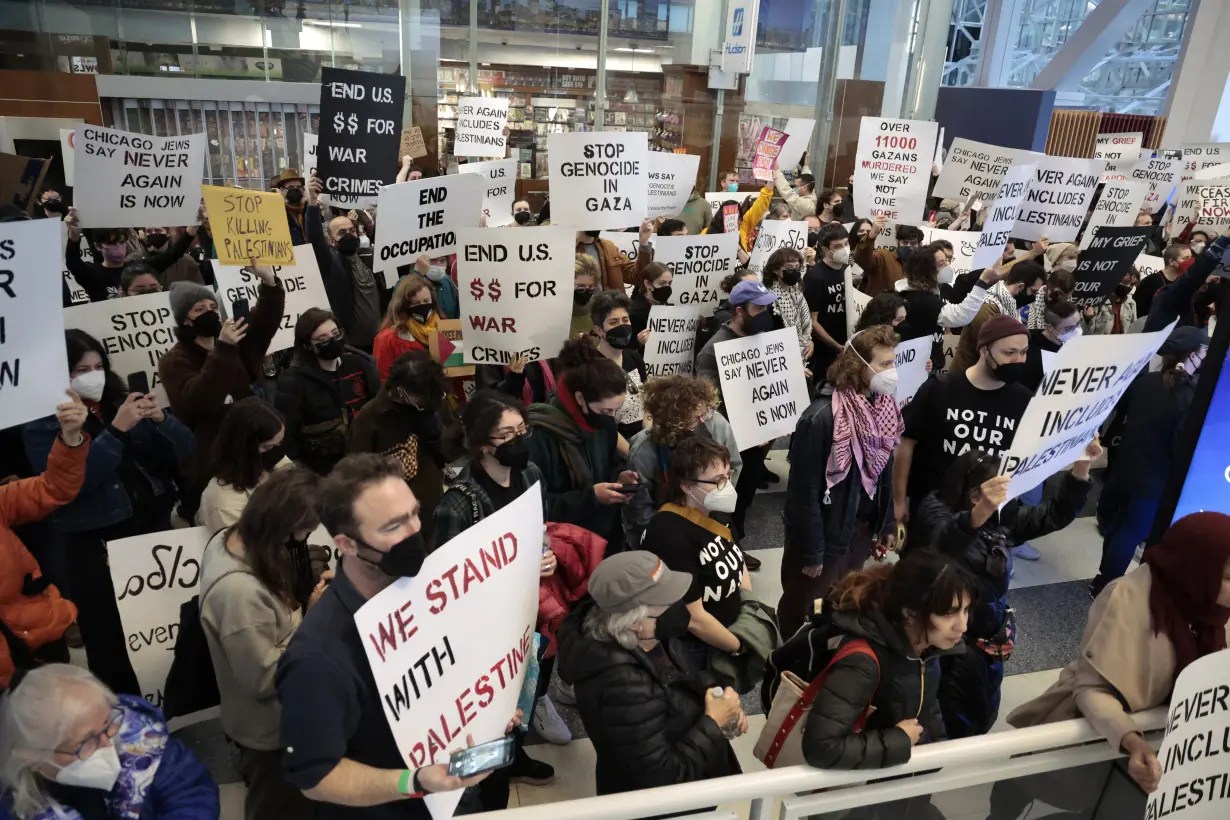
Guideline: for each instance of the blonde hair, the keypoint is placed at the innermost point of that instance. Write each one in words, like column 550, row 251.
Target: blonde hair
column 586, row 265
column 398, row 313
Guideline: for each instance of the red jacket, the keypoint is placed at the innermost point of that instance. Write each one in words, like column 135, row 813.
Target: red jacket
column 577, row 553
column 42, row 618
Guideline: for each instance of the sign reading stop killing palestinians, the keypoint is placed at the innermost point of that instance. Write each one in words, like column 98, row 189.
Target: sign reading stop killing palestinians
column 360, row 130
column 1117, row 207
column 515, row 290
column 500, row 188
column 429, row 213
column 135, row 331
column 598, row 179
column 248, row 227
column 975, row 170
column 448, row 648
column 671, row 347
column 699, row 264
column 998, row 228
column 1103, row 264
column 763, row 385
column 892, row 169
column 671, row 179
column 301, row 282
column 482, row 123
column 1058, row 200
column 127, row 180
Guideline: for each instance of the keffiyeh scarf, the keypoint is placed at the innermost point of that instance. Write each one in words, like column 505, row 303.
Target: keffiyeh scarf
column 865, row 431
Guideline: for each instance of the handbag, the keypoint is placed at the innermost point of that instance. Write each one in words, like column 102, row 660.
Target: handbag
column 781, row 740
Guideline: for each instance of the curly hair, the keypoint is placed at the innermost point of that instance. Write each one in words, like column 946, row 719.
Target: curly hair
column 881, row 310
column 689, row 460
column 921, row 271
column 776, row 260
column 674, row 403
column 923, row 584
column 848, row 371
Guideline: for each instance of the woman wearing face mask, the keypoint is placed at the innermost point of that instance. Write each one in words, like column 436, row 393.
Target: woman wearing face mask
column 886, row 309
column 1062, row 256
column 256, row 584
column 783, row 273
column 1062, row 324
column 575, row 443
column 655, row 289
column 586, row 278
column 1115, row 315
column 327, row 384
column 413, row 314
column 617, row 341
column 101, row 278
column 967, row 520
column 651, row 716
column 71, row 749
column 135, row 450
column 250, row 445
column 837, row 510
column 411, row 420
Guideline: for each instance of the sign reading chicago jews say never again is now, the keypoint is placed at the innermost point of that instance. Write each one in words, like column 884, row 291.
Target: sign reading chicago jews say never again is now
column 248, row 227
column 129, row 180
column 892, row 169
column 135, row 331
column 763, row 385
column 360, row 130
column 598, row 179
column 448, row 648
column 515, row 290
column 975, row 170
column 429, row 213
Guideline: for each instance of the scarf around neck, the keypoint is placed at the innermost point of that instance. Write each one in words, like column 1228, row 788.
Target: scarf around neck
column 864, row 432
column 419, row 330
column 1002, row 298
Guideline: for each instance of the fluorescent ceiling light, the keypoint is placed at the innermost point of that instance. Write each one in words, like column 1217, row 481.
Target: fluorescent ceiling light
column 330, row 23
column 635, row 50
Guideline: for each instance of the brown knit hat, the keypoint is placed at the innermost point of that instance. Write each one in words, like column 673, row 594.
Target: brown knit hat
column 1000, row 327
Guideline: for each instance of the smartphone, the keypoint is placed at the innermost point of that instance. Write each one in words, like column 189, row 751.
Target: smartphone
column 240, row 309
column 628, row 489
column 138, row 382
column 484, row 757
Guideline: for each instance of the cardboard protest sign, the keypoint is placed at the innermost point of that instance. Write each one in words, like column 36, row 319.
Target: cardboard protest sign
column 21, row 179
column 671, row 179
column 310, row 146
column 1200, row 155
column 699, row 264
column 1120, row 152
column 892, row 170
column 135, row 331
column 515, row 288
column 626, row 242
column 412, row 144
column 671, row 346
column 798, row 131
column 482, row 125
column 911, row 359
column 154, row 575
column 1058, row 199
column 448, row 647
column 1105, row 262
column 998, row 226
column 68, row 152
column 134, row 180
column 429, row 213
column 1162, row 175
column 1148, row 265
column 1117, row 207
column 764, row 161
column 1194, row 785
column 730, row 218
column 1204, row 204
column 360, row 130
column 1085, row 382
column 248, row 226
column 33, row 371
column 448, row 348
column 598, row 179
column 775, row 234
column 856, row 303
column 499, row 188
column 763, row 385
column 976, row 169
column 301, row 281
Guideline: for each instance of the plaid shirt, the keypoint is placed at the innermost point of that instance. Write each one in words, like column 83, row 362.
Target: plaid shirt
column 792, row 307
column 456, row 511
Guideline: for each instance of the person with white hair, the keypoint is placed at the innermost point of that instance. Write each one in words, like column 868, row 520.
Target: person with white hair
column 71, row 749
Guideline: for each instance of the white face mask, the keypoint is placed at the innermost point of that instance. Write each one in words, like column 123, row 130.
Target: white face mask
column 98, row 771
column 885, row 382
column 89, row 385
column 841, row 256
column 1197, row 247
column 435, row 272
column 723, row 500
column 947, row 275
column 1068, row 265
column 1069, row 334
column 364, row 242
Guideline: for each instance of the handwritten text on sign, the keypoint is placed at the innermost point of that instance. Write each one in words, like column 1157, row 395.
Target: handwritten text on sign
column 764, row 162
column 135, row 331
column 127, row 180
column 699, row 264
column 598, row 180
column 763, row 385
column 301, row 281
column 248, row 225
column 893, row 167
column 444, row 667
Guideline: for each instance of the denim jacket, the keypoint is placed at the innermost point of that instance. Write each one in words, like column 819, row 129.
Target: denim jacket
column 103, row 500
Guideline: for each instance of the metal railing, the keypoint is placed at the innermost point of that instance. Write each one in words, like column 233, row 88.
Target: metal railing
column 939, row 767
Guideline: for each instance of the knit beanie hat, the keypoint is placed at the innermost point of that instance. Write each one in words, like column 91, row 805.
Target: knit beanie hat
column 1000, row 327
column 184, row 295
column 1054, row 251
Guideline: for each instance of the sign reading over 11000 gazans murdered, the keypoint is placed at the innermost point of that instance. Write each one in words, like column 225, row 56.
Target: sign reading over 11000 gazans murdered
column 892, row 169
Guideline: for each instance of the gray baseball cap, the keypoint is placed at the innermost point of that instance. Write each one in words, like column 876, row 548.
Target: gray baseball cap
column 638, row 578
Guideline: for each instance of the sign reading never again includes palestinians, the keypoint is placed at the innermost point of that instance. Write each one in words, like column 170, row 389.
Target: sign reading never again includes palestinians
column 997, row 229
column 482, row 124
column 671, row 347
column 360, row 130
column 598, row 179
column 1057, row 202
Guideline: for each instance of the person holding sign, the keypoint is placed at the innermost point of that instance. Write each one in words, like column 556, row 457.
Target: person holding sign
column 412, row 318
column 613, row 266
column 1143, row 630
column 782, row 274
column 882, row 267
column 616, row 340
column 101, row 280
column 801, row 199
column 1173, row 258
column 293, row 188
column 1179, row 298
column 654, row 289
column 926, row 269
column 839, row 508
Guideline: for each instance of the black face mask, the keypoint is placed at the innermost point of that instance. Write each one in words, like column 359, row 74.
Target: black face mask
column 1009, row 372
column 271, row 457
column 1121, row 292
column 154, row 241
column 791, row 277
column 662, row 295
column 421, row 313
column 514, row 454
column 620, row 337
column 582, row 297
column 813, row 239
column 55, row 206
column 348, row 244
column 294, row 196
column 1024, row 298
column 762, row 322
column 207, row 326
column 523, row 218
column 402, row 560
column 598, row 421
column 673, row 623
column 591, row 234
column 330, row 349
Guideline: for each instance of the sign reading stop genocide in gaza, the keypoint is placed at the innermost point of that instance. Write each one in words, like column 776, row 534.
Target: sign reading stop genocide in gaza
column 598, row 180
column 893, row 167
column 360, row 130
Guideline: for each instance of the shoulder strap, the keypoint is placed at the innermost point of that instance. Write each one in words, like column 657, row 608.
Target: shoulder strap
column 476, row 513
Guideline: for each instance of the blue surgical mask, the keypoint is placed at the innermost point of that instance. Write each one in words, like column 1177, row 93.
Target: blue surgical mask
column 732, row 187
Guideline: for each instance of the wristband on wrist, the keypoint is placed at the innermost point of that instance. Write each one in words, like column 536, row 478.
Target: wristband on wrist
column 408, row 784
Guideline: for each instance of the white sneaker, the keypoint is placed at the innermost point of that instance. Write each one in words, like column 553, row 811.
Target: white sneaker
column 549, row 725
column 564, row 693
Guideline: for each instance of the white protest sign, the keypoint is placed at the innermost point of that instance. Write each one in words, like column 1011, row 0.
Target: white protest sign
column 699, row 264
column 1148, row 265
column 301, row 281
column 154, row 575
column 134, row 180
column 424, row 216
column 798, row 129
column 626, row 242
column 1194, row 785
column 964, row 243
column 763, row 385
column 856, row 303
column 892, row 170
column 1056, row 203
column 938, row 161
column 68, row 153
column 500, row 188
column 1085, row 382
column 998, row 228
column 1205, row 204
column 1162, row 175
column 135, row 331
column 33, row 367
column 1119, row 151
column 976, row 169
column 1221, row 171
column 310, row 145
column 598, row 179
column 671, row 347
column 911, row 359
column 774, row 235
column 76, row 293
column 482, row 125
column 671, row 179
column 515, row 290
column 719, row 198
column 1200, row 155
column 448, row 648
column 1118, row 207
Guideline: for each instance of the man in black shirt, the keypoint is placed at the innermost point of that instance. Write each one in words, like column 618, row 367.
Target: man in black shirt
column 824, row 289
column 1173, row 257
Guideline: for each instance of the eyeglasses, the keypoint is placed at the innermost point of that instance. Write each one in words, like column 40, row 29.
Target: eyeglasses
column 507, row 434
column 92, row 743
column 291, row 187
column 319, row 340
column 704, row 416
column 718, row 483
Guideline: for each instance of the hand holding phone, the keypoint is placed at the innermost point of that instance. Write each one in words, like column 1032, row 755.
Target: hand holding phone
column 138, row 382
column 240, row 309
column 484, row 757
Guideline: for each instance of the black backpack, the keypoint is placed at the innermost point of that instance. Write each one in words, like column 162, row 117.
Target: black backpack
column 191, row 685
column 806, row 654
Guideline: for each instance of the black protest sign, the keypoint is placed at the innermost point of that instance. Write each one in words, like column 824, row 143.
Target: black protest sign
column 1103, row 264
column 360, row 130
column 21, row 178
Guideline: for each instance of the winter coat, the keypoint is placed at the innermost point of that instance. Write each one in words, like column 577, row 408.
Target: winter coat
column 901, row 687
column 1104, row 319
column 31, row 608
column 203, row 384
column 465, row 502
column 617, row 269
column 648, row 724
column 320, row 406
column 881, row 267
column 572, row 461
column 577, row 554
column 1155, row 418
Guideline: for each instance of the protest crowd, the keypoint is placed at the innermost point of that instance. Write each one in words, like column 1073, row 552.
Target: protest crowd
column 255, row 433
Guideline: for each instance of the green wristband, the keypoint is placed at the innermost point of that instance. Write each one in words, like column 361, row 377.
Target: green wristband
column 404, row 783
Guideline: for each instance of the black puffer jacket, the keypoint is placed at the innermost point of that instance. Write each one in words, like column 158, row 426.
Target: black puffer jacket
column 320, row 405
column 902, row 688
column 647, row 720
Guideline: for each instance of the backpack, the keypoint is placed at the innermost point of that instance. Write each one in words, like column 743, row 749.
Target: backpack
column 805, row 655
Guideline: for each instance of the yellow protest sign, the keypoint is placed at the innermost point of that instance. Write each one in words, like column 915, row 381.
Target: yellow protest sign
column 248, row 225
